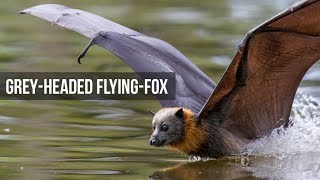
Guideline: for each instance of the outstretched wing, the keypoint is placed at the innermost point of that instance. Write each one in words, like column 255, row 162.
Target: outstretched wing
column 256, row 92
column 140, row 52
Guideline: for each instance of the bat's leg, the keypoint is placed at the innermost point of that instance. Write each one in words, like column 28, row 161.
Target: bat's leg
column 83, row 53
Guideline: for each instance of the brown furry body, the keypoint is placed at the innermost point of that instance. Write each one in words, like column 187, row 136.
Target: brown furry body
column 206, row 139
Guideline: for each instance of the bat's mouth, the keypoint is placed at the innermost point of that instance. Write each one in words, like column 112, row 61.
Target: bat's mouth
column 162, row 142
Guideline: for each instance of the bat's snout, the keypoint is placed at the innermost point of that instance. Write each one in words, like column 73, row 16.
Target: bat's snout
column 154, row 141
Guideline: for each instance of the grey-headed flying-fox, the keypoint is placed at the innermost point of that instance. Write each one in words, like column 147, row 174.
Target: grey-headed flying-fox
column 253, row 97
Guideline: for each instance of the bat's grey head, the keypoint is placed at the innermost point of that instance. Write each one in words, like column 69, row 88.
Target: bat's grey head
column 168, row 127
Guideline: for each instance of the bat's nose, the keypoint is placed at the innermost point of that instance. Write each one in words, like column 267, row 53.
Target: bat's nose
column 152, row 141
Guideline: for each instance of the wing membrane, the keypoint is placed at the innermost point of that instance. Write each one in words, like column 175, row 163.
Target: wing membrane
column 140, row 52
column 256, row 92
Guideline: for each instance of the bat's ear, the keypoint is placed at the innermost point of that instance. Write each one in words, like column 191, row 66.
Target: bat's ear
column 151, row 112
column 179, row 113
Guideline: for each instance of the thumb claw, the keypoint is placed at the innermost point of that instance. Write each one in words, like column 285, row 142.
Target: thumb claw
column 84, row 52
column 79, row 59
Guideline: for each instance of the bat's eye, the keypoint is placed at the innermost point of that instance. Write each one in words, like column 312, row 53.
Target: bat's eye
column 164, row 127
column 153, row 127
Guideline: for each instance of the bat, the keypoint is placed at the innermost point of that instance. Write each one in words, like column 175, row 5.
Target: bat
column 253, row 97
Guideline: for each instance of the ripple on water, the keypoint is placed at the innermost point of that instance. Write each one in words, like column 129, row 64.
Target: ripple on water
column 10, row 137
column 87, row 172
column 181, row 15
column 114, row 128
column 103, row 102
column 248, row 9
column 221, row 60
column 7, row 120
column 112, row 113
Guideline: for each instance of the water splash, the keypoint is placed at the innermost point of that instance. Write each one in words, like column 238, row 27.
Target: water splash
column 292, row 153
column 302, row 137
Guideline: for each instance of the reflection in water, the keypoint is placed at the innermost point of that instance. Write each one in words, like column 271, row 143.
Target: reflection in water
column 254, row 167
column 225, row 169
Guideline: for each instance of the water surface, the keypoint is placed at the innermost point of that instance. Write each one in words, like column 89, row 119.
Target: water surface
column 109, row 139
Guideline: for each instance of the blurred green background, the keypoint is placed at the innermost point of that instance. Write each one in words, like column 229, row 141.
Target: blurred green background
column 109, row 139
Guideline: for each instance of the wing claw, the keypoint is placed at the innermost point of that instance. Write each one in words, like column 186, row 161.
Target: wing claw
column 239, row 48
column 84, row 52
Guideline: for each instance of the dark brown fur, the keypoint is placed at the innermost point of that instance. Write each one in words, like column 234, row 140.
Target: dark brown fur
column 206, row 139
